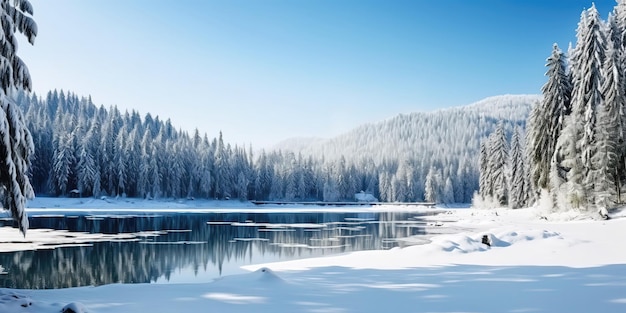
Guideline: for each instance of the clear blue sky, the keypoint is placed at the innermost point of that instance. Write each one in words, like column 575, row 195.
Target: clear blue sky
column 263, row 71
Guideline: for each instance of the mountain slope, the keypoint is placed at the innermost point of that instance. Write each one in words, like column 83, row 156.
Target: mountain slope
column 448, row 132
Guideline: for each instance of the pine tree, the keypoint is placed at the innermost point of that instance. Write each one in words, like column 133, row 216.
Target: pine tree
column 448, row 191
column 63, row 160
column 143, row 179
column 619, row 33
column 547, row 117
column 603, row 172
column 518, row 189
column 498, row 157
column 17, row 145
column 432, row 186
column 571, row 163
column 222, row 171
column 86, row 167
column 384, row 187
column 120, row 158
column 587, row 89
column 485, row 188
column 605, row 161
column 614, row 91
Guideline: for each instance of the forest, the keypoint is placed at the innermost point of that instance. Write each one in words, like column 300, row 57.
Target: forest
column 92, row 151
column 575, row 154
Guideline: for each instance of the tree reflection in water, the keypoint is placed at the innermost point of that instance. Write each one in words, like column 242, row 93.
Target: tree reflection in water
column 167, row 243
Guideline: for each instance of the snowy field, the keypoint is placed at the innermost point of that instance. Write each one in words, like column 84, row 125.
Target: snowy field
column 537, row 262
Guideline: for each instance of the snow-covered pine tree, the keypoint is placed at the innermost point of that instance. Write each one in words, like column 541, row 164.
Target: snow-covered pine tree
column 156, row 164
column 619, row 15
column 518, row 194
column 17, row 147
column 399, row 184
column 133, row 153
column 448, row 191
column 63, row 160
column 143, row 179
column 432, row 186
column 546, row 119
column 222, row 171
column 604, row 172
column 206, row 165
column 587, row 88
column 242, row 186
column 384, row 186
column 498, row 157
column 86, row 167
column 614, row 91
column 120, row 158
column 277, row 186
column 484, row 183
column 573, row 193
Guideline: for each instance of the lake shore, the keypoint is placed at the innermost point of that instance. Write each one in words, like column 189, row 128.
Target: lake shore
column 565, row 262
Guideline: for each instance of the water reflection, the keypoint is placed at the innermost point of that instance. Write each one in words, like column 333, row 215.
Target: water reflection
column 168, row 244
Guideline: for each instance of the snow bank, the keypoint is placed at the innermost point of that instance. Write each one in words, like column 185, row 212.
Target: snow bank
column 518, row 238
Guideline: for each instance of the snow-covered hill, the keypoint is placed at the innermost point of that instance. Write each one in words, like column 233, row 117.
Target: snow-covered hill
column 444, row 133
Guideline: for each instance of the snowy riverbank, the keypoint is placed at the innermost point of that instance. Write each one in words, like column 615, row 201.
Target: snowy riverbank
column 567, row 263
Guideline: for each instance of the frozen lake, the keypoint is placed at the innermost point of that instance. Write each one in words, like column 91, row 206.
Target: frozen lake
column 168, row 247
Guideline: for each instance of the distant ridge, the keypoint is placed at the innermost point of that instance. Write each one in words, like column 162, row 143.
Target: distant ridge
column 503, row 106
column 296, row 143
column 405, row 133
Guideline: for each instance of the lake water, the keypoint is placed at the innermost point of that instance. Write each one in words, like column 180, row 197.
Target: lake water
column 196, row 247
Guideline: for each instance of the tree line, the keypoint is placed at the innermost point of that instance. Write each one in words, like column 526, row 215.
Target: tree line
column 97, row 151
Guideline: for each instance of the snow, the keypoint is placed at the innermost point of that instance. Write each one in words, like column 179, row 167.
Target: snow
column 537, row 262
column 110, row 206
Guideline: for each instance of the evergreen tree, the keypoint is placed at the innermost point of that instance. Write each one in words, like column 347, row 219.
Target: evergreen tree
column 331, row 190
column 384, row 187
column 17, row 143
column 547, row 118
column 222, row 171
column 86, row 167
column 571, row 163
column 63, row 160
column 432, row 187
column 518, row 189
column 143, row 179
column 498, row 156
column 604, row 174
column 587, row 88
column 613, row 121
column 485, row 186
column 603, row 171
column 448, row 191
column 120, row 158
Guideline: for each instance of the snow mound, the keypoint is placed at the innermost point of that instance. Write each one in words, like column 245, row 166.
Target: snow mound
column 459, row 243
column 265, row 274
column 464, row 243
column 11, row 301
column 74, row 307
column 511, row 237
column 262, row 276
